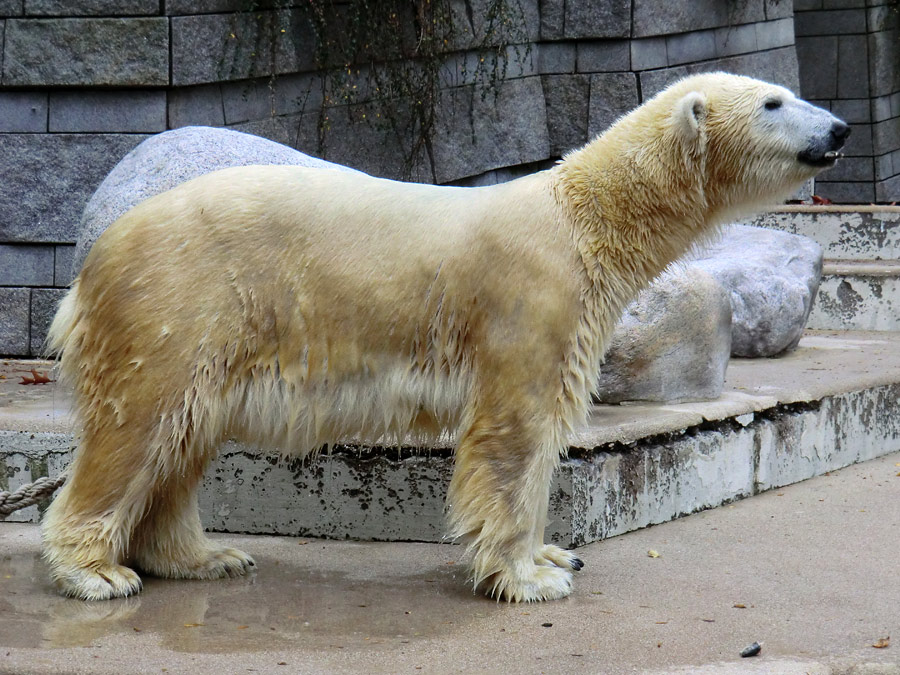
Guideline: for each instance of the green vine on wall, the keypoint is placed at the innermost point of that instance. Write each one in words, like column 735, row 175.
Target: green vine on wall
column 389, row 60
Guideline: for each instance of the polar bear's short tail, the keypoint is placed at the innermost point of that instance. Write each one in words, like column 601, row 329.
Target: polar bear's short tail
column 60, row 341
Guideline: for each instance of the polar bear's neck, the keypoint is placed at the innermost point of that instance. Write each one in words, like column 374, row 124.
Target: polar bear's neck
column 635, row 207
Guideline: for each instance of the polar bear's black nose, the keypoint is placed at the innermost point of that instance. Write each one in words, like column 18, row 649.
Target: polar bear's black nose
column 839, row 132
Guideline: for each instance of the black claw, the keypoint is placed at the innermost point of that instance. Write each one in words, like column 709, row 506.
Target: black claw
column 577, row 564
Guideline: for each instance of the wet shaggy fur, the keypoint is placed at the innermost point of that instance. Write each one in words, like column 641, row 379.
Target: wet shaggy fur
column 292, row 307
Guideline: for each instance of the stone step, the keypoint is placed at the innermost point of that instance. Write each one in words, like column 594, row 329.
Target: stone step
column 858, row 295
column 832, row 402
column 844, row 232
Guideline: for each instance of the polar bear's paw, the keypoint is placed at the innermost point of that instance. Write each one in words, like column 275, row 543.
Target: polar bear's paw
column 97, row 582
column 538, row 582
column 554, row 555
column 208, row 563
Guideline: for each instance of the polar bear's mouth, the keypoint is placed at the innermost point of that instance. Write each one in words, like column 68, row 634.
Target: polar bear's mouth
column 820, row 159
column 825, row 151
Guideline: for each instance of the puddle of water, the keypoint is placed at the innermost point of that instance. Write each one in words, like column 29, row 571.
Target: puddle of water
column 274, row 608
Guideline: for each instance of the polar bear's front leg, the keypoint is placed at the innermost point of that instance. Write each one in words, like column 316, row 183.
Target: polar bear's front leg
column 498, row 501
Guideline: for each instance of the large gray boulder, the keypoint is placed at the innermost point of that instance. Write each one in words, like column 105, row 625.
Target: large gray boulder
column 671, row 344
column 169, row 159
column 772, row 278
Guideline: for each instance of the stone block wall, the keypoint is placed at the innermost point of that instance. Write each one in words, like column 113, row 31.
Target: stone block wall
column 849, row 55
column 82, row 83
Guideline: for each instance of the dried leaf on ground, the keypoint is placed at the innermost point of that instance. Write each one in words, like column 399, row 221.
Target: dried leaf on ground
column 36, row 378
column 652, row 553
column 882, row 643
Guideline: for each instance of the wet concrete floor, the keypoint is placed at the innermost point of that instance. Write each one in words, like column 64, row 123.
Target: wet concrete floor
column 815, row 566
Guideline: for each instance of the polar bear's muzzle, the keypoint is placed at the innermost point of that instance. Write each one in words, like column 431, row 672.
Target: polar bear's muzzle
column 824, row 151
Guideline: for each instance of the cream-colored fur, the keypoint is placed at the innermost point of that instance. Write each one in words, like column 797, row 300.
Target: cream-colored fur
column 294, row 307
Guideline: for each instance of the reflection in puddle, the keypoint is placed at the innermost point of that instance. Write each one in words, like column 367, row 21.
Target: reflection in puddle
column 278, row 606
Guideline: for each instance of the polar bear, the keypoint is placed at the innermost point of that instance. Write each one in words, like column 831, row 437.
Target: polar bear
column 292, row 307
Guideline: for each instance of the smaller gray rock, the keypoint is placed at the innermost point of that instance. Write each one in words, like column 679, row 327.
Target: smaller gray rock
column 671, row 344
column 772, row 278
column 166, row 160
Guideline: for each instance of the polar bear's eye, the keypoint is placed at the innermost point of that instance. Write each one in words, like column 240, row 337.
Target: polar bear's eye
column 773, row 104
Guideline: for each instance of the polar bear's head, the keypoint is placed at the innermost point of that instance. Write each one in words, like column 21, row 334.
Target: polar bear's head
column 751, row 141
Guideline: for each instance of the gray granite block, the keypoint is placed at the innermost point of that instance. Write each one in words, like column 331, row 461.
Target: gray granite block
column 358, row 136
column 553, row 13
column 842, row 4
column 518, row 22
column 884, row 17
column 566, row 98
column 11, row 7
column 776, row 65
column 23, row 111
column 780, row 66
column 853, row 67
column 69, row 8
column 179, row 7
column 887, row 191
column 123, row 111
column 732, row 40
column 54, row 177
column 853, row 111
column 779, row 9
column 248, row 100
column 774, row 34
column 298, row 132
column 688, row 47
column 612, row 95
column 881, row 108
column 301, row 93
column 122, row 52
column 220, row 47
column 884, row 166
column 476, row 133
column 199, row 105
column 44, row 302
column 832, row 22
column 556, row 57
column 884, row 62
column 859, row 144
column 846, row 193
column 611, row 18
column 604, row 56
column 818, row 66
column 806, row 5
column 648, row 53
column 14, row 338
column 886, row 135
column 852, row 169
column 26, row 265
column 652, row 17
column 62, row 265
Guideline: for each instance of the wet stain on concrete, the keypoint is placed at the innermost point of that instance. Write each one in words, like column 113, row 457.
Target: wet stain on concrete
column 279, row 606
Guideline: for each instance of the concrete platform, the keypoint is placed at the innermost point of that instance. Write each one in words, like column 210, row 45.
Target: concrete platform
column 814, row 566
column 861, row 280
column 832, row 402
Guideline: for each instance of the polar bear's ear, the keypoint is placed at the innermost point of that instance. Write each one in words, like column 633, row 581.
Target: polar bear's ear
column 691, row 114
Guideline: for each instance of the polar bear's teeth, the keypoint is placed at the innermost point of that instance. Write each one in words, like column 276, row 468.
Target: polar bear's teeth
column 833, row 154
